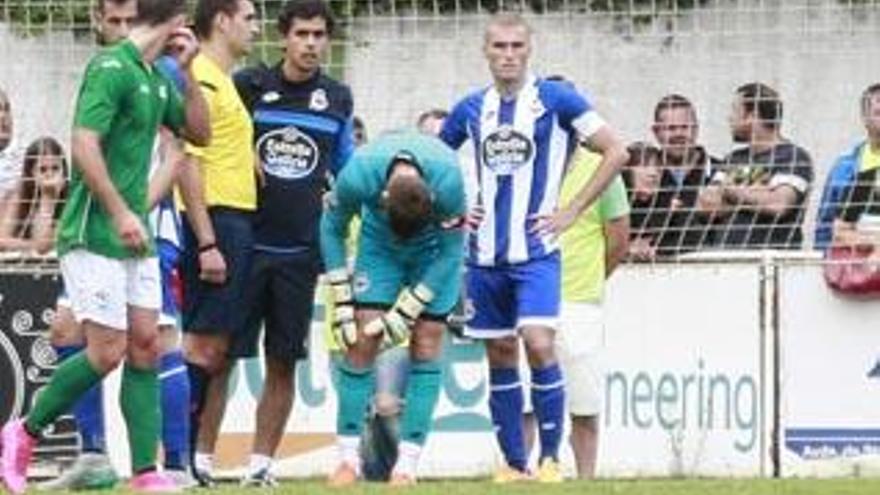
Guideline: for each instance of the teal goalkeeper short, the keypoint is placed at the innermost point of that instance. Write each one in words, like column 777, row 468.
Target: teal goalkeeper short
column 382, row 271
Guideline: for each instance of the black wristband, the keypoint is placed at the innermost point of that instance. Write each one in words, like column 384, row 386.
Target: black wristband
column 207, row 247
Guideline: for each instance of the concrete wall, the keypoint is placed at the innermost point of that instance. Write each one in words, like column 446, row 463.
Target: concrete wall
column 41, row 75
column 818, row 54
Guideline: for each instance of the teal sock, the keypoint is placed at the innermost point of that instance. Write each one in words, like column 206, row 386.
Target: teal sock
column 422, row 392
column 139, row 399
column 73, row 378
column 355, row 389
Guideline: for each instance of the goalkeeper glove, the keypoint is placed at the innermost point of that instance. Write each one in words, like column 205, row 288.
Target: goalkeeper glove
column 397, row 321
column 344, row 328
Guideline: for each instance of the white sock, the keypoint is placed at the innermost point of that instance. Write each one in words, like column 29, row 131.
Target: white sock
column 350, row 451
column 408, row 455
column 204, row 462
column 259, row 462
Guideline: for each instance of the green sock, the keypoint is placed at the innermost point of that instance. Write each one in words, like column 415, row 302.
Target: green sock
column 355, row 389
column 139, row 398
column 422, row 392
column 69, row 382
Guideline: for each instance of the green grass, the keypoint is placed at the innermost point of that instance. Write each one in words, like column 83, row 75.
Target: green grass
column 609, row 487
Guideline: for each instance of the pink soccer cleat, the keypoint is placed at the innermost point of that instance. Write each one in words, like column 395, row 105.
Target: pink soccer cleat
column 17, row 447
column 153, row 482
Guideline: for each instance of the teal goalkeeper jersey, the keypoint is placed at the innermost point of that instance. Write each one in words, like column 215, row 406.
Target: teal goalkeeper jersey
column 358, row 190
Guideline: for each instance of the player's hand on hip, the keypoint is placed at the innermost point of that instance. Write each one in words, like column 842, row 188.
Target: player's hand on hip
column 474, row 218
column 131, row 231
column 552, row 224
column 183, row 46
column 212, row 266
column 344, row 328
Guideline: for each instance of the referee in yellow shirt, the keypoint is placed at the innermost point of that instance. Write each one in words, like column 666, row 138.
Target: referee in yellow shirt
column 219, row 192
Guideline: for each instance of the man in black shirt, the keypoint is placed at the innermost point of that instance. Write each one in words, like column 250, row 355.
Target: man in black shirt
column 756, row 199
column 686, row 167
column 303, row 128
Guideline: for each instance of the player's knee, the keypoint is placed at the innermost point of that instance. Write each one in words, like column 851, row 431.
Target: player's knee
column 207, row 354
column 426, row 341
column 503, row 352
column 144, row 348
column 107, row 356
column 64, row 330
column 425, row 349
column 63, row 338
column 358, row 358
column 387, row 404
column 280, row 371
column 541, row 350
column 168, row 339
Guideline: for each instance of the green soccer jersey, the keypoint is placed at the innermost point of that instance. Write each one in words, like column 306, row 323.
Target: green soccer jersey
column 124, row 100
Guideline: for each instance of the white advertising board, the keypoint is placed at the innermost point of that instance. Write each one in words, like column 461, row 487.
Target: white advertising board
column 684, row 388
column 830, row 377
column 683, row 373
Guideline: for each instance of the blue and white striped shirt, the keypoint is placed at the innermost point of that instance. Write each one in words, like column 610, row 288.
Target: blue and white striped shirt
column 521, row 147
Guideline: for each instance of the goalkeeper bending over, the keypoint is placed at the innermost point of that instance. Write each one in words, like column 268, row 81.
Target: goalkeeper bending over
column 409, row 191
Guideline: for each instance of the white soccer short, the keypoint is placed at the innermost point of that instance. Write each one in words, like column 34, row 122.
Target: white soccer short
column 165, row 319
column 579, row 342
column 100, row 289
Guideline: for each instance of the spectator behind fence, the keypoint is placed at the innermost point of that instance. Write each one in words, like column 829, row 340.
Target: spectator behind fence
column 36, row 203
column 649, row 199
column 851, row 195
column 756, row 199
column 686, row 167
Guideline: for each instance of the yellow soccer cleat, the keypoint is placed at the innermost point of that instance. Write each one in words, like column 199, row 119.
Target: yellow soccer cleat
column 549, row 472
column 507, row 474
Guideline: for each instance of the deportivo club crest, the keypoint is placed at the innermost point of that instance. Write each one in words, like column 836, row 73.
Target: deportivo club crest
column 506, row 149
column 361, row 283
column 287, row 153
column 318, row 100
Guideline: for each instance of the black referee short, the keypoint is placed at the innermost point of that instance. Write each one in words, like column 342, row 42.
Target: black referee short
column 216, row 308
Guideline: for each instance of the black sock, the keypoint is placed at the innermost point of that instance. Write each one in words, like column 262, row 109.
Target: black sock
column 199, row 378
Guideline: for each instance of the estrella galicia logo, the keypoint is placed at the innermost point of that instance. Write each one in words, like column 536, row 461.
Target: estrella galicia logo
column 506, row 149
column 287, row 153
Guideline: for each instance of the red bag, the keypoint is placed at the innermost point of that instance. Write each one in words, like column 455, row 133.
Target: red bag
column 848, row 271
